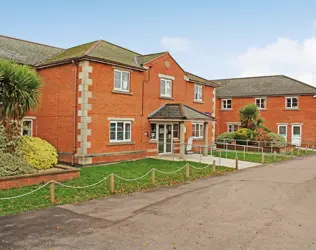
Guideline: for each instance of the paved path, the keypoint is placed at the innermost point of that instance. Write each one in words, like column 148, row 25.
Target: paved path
column 268, row 207
column 209, row 160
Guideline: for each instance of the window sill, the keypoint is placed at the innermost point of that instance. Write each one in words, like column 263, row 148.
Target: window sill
column 226, row 109
column 197, row 101
column 291, row 109
column 153, row 141
column 166, row 98
column 198, row 138
column 121, row 92
column 262, row 109
column 121, row 143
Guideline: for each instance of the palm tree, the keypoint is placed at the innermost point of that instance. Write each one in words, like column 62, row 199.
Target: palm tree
column 19, row 91
column 248, row 116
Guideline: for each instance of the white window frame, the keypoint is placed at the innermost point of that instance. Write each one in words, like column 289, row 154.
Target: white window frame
column 291, row 97
column 198, row 93
column 201, row 130
column 232, row 124
column 32, row 123
column 260, row 100
column 124, row 139
column 165, row 93
column 224, row 101
column 121, row 83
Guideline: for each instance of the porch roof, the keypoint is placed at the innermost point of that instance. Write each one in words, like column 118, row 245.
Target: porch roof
column 179, row 112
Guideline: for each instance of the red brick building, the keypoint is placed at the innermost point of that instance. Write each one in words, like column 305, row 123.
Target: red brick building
column 288, row 106
column 104, row 103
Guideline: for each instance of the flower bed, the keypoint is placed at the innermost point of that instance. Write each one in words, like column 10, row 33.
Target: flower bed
column 58, row 173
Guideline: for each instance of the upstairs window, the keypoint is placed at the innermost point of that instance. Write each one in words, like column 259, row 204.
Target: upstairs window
column 291, row 102
column 121, row 80
column 197, row 130
column 226, row 104
column 198, row 93
column 165, row 88
column 120, row 131
column 261, row 103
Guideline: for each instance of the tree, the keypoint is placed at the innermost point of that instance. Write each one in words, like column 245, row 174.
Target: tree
column 249, row 116
column 19, row 91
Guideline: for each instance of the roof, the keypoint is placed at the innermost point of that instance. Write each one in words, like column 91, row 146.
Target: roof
column 150, row 57
column 274, row 85
column 99, row 50
column 178, row 111
column 25, row 52
column 198, row 79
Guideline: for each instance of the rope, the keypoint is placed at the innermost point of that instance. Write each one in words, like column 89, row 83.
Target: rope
column 163, row 172
column 135, row 179
column 200, row 168
column 21, row 195
column 77, row 187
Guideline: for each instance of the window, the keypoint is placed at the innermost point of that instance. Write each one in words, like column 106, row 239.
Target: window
column 121, row 80
column 176, row 131
column 226, row 104
column 27, row 127
column 153, row 131
column 120, row 131
column 291, row 102
column 165, row 88
column 261, row 103
column 232, row 127
column 197, row 130
column 198, row 93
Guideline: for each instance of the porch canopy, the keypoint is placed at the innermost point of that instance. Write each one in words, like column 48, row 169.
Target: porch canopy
column 178, row 112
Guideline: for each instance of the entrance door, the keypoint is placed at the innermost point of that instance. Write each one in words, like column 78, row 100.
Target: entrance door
column 282, row 130
column 165, row 138
column 296, row 135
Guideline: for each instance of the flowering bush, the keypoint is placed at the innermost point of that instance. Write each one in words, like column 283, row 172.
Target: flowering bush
column 37, row 152
column 243, row 135
column 260, row 134
column 276, row 139
column 11, row 164
column 228, row 137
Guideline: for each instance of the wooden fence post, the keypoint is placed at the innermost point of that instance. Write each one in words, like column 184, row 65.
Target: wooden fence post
column 153, row 176
column 187, row 170
column 292, row 153
column 275, row 155
column 112, row 183
column 236, row 162
column 214, row 167
column 52, row 193
column 262, row 157
column 298, row 151
column 305, row 149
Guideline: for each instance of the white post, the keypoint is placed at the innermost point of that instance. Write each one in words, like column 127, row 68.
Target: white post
column 182, row 146
column 205, row 134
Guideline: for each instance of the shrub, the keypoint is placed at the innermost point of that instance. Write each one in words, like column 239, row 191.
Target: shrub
column 37, row 152
column 11, row 164
column 260, row 134
column 243, row 134
column 226, row 137
column 276, row 139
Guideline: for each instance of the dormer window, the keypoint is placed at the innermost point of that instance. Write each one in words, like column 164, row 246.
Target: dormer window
column 121, row 80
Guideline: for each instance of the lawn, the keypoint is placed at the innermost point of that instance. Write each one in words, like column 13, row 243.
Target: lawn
column 90, row 175
column 256, row 157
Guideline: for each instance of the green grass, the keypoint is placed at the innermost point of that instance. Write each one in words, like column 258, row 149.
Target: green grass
column 256, row 157
column 90, row 175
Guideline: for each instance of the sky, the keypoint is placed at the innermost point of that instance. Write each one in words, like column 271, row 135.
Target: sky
column 213, row 39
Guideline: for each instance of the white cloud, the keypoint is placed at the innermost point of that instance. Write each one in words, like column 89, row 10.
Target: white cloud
column 176, row 44
column 285, row 56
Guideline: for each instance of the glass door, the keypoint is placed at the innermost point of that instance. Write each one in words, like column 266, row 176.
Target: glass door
column 296, row 135
column 161, row 138
column 168, row 134
column 165, row 138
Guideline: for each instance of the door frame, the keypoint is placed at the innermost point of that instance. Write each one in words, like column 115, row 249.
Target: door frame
column 165, row 137
column 301, row 132
column 286, row 130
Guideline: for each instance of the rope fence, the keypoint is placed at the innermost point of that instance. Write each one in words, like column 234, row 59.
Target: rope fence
column 112, row 181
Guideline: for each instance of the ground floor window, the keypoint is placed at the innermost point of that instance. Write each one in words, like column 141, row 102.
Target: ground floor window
column 197, row 130
column 231, row 127
column 27, row 127
column 153, row 131
column 120, row 131
column 176, row 131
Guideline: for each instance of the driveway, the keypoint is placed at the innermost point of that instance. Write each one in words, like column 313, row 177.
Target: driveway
column 269, row 207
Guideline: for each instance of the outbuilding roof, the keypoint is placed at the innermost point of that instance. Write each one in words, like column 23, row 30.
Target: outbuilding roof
column 275, row 85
